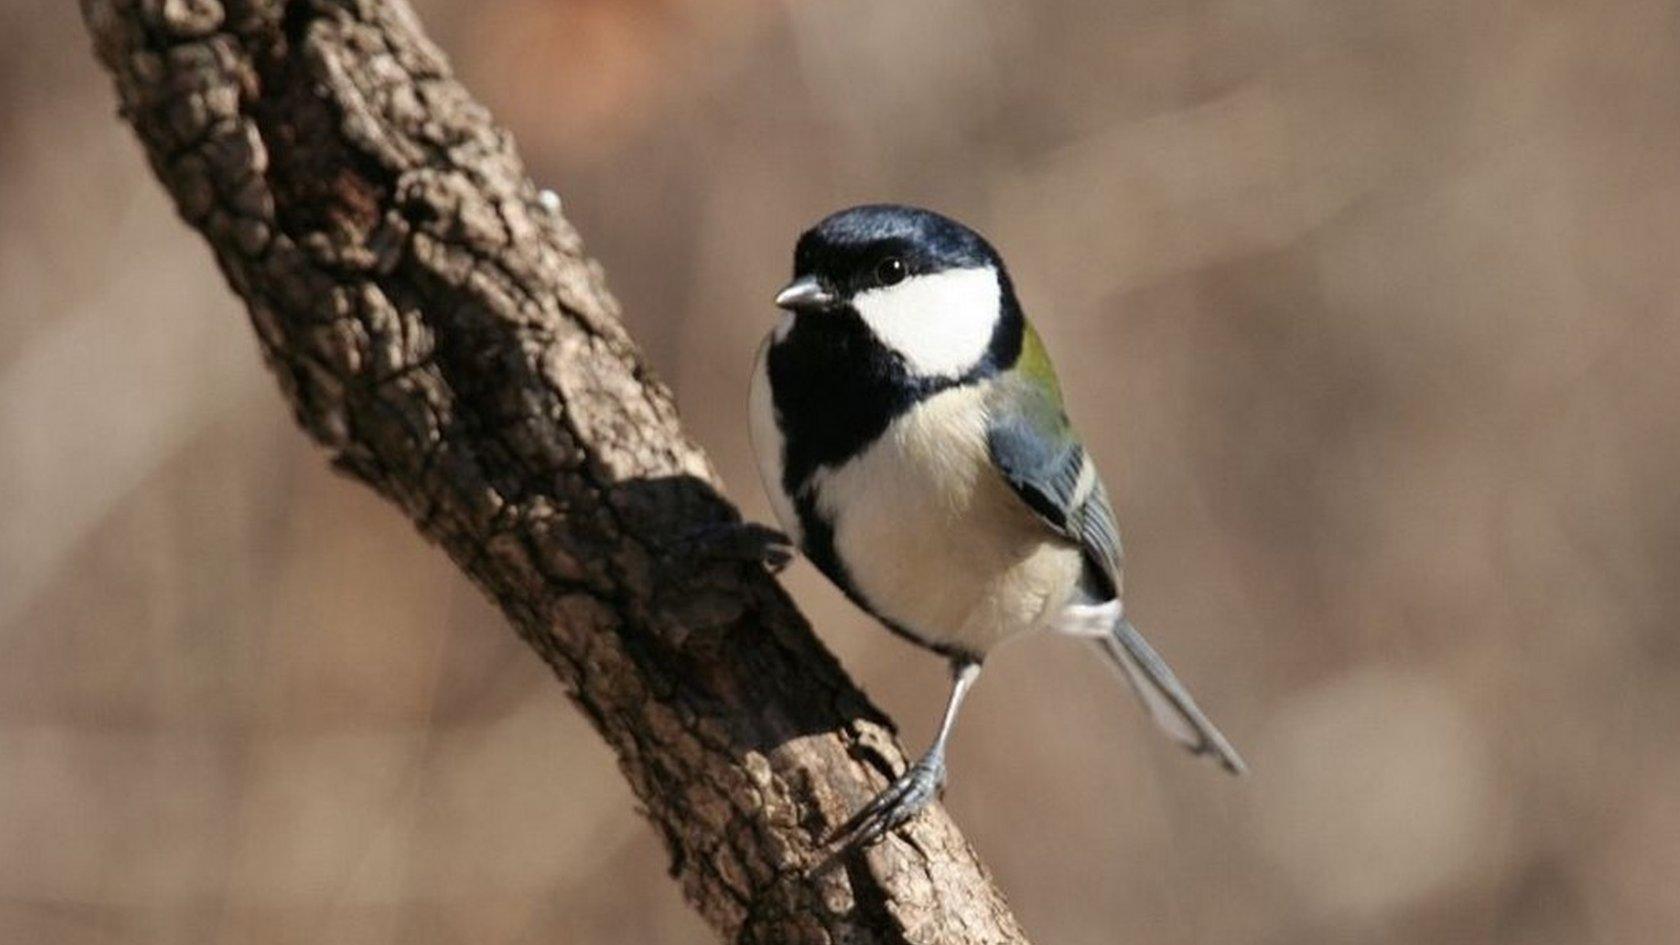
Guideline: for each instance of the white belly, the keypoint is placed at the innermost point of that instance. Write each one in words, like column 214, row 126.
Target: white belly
column 935, row 540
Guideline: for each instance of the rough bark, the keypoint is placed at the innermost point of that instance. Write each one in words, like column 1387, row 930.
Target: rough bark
column 436, row 326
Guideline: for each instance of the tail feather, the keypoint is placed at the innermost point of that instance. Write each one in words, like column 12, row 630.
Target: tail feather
column 1167, row 700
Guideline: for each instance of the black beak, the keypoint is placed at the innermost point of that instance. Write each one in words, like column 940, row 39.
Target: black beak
column 804, row 294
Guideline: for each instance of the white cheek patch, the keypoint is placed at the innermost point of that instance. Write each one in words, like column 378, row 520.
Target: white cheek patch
column 940, row 324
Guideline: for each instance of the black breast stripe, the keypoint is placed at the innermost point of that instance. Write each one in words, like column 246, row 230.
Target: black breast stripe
column 835, row 389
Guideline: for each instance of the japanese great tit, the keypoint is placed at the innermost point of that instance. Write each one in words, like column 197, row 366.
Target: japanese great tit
column 910, row 432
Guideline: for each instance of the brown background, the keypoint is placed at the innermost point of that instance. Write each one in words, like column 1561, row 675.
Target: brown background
column 1368, row 310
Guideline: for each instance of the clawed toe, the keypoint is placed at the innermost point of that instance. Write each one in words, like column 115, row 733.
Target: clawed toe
column 741, row 541
column 893, row 807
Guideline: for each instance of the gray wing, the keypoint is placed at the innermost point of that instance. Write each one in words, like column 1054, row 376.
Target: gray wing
column 1045, row 464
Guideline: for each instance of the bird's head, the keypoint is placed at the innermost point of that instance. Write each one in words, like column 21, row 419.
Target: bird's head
column 927, row 288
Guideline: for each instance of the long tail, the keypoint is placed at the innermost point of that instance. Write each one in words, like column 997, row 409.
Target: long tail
column 1167, row 700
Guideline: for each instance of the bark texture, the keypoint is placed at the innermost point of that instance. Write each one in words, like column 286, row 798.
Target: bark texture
column 436, row 326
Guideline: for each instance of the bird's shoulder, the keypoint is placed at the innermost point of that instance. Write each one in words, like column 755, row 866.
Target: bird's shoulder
column 1028, row 427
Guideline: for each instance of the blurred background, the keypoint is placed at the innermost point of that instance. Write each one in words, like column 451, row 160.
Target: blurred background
column 1368, row 311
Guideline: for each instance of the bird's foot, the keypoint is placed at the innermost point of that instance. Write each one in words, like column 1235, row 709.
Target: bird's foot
column 893, row 807
column 740, row 541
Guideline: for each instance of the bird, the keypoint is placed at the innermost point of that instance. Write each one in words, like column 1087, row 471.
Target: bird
column 910, row 432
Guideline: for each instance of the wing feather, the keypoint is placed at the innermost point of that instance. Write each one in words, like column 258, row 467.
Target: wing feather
column 1034, row 449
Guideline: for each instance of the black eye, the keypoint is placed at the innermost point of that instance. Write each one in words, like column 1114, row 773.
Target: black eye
column 889, row 271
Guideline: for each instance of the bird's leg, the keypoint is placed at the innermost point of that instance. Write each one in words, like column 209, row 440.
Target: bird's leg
column 918, row 784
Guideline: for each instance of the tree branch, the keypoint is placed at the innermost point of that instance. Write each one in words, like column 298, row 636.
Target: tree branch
column 438, row 329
